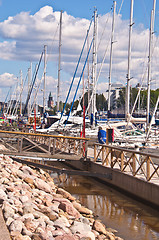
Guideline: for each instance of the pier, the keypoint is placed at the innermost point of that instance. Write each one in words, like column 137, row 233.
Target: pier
column 132, row 172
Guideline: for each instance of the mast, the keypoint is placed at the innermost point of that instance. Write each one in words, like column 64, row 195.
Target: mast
column 44, row 78
column 88, row 73
column 59, row 65
column 149, row 64
column 29, row 84
column 94, row 68
column 21, row 89
column 127, row 101
column 111, row 51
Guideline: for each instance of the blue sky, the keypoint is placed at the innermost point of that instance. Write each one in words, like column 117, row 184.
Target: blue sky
column 23, row 35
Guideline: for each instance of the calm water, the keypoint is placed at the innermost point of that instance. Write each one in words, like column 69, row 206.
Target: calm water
column 132, row 220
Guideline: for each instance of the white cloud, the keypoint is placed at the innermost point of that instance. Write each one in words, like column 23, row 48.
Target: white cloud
column 7, row 79
column 24, row 36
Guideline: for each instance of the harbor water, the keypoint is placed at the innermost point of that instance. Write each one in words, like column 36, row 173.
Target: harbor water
column 131, row 219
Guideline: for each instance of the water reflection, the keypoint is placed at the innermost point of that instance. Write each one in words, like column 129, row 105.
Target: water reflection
column 132, row 220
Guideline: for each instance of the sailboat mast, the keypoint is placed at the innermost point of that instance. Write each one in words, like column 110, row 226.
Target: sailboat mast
column 21, row 89
column 127, row 102
column 149, row 63
column 111, row 52
column 149, row 73
column 94, row 67
column 29, row 84
column 88, row 80
column 59, row 65
column 44, row 78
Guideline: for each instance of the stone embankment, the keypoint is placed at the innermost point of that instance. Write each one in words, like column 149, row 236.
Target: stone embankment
column 35, row 208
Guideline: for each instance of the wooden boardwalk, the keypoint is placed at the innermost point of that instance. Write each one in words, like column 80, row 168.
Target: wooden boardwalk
column 43, row 145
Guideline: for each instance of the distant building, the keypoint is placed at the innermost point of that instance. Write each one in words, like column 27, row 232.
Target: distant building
column 114, row 94
column 50, row 101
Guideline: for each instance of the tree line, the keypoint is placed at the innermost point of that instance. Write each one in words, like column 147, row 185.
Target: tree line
column 102, row 103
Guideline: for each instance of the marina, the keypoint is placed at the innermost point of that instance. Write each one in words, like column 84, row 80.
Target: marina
column 83, row 145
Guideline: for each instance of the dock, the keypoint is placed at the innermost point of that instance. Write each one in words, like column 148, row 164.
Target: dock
column 132, row 172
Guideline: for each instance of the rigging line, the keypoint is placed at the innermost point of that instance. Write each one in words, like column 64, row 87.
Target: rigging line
column 37, row 90
column 15, row 108
column 97, row 78
column 146, row 16
column 11, row 100
column 32, row 84
column 76, row 69
column 79, row 81
column 52, row 44
column 5, row 101
column 120, row 7
column 104, row 29
column 139, row 90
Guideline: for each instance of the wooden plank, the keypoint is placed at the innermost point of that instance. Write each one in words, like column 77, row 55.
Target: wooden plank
column 44, row 135
column 36, row 145
column 42, row 155
column 67, row 171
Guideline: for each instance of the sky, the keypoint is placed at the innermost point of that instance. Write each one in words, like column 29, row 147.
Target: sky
column 26, row 26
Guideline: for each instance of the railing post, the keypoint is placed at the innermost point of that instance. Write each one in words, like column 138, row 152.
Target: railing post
column 86, row 149
column 148, row 169
column 134, row 165
column 103, row 154
column 122, row 161
column 95, row 153
column 49, row 144
column 111, row 156
column 21, row 144
column 54, row 146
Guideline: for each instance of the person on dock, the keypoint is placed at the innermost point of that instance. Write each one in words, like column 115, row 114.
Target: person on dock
column 101, row 136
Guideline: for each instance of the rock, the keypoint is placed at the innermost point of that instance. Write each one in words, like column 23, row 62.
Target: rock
column 29, row 180
column 3, row 196
column 65, row 237
column 36, row 237
column 24, row 199
column 42, row 185
column 65, row 194
column 53, row 216
column 27, row 216
column 79, row 227
column 34, row 208
column 21, row 237
column 25, row 231
column 9, row 221
column 62, row 222
column 16, row 226
column 99, row 227
column 69, row 208
column 87, row 236
column 31, row 225
column 82, row 209
column 58, row 232
column 8, row 210
column 27, row 170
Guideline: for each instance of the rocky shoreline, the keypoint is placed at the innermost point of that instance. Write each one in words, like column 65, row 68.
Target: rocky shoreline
column 35, row 208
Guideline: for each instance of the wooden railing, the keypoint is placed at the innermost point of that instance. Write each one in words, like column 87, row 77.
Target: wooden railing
column 135, row 163
column 49, row 144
